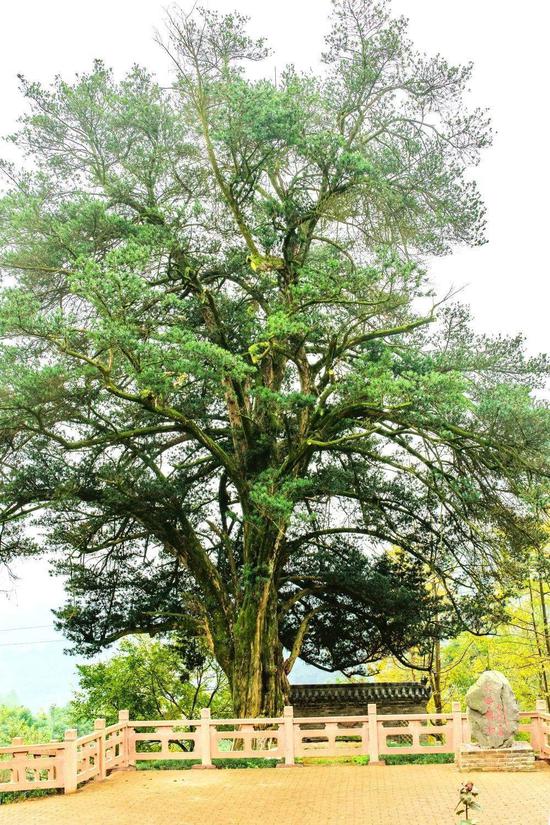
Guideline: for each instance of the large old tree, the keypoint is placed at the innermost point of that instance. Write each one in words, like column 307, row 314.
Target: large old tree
column 231, row 403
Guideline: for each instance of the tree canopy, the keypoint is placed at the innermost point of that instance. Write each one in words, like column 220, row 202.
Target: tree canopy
column 232, row 403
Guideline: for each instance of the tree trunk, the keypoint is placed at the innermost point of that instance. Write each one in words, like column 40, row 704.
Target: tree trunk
column 435, row 678
column 540, row 654
column 546, row 636
column 258, row 682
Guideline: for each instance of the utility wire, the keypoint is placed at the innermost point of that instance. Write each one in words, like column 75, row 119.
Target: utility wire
column 32, row 627
column 37, row 642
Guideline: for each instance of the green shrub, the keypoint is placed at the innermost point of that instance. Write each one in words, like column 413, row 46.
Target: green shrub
column 19, row 796
column 418, row 758
column 187, row 764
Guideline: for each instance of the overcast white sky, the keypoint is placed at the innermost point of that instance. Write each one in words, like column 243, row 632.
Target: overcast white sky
column 506, row 281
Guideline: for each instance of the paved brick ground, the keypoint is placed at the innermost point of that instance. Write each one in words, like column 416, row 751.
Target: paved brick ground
column 339, row 795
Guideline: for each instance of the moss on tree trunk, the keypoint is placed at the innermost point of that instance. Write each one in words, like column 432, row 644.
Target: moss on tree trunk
column 258, row 682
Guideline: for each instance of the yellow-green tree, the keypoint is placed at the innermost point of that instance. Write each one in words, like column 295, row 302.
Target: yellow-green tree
column 519, row 649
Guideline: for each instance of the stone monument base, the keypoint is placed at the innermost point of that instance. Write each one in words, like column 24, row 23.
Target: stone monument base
column 519, row 757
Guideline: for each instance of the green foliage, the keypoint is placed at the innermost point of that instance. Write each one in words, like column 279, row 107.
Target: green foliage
column 187, row 764
column 16, row 720
column 7, row 797
column 228, row 387
column 419, row 758
column 519, row 647
column 152, row 680
column 465, row 658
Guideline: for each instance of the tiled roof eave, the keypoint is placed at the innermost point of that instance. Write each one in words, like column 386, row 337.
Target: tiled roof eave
column 359, row 693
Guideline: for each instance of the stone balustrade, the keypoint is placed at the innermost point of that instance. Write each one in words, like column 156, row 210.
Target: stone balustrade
column 68, row 764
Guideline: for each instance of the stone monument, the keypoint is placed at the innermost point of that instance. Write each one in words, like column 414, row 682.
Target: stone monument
column 493, row 712
column 493, row 715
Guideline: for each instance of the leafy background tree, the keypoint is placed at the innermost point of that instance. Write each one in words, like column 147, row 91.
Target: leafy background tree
column 519, row 648
column 16, row 720
column 228, row 387
column 152, row 681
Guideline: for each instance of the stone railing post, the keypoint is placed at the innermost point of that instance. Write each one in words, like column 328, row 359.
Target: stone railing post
column 537, row 726
column 457, row 728
column 374, row 754
column 288, row 728
column 70, row 762
column 18, row 758
column 99, row 727
column 204, row 740
column 127, row 740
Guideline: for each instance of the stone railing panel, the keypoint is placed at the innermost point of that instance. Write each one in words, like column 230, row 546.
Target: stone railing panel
column 31, row 767
column 115, row 739
column 171, row 740
column 331, row 736
column 246, row 738
column 88, row 756
column 414, row 734
column 31, row 774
